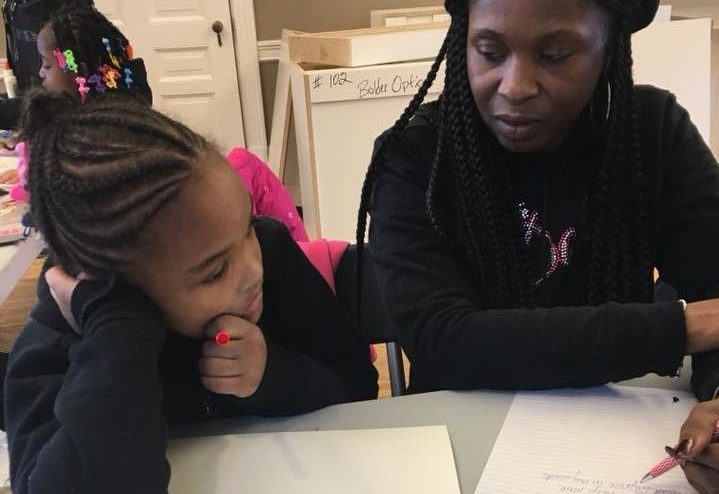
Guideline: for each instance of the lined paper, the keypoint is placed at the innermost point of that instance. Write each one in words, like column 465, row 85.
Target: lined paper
column 595, row 441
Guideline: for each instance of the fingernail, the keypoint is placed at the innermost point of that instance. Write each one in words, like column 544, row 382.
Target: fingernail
column 680, row 449
column 686, row 449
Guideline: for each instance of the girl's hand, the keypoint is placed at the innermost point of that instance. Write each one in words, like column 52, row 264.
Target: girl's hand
column 698, row 431
column 62, row 286
column 236, row 368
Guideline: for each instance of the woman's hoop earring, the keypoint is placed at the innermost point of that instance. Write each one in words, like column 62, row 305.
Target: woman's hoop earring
column 609, row 101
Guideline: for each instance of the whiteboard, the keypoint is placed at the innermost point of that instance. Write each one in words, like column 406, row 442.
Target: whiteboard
column 339, row 113
column 677, row 56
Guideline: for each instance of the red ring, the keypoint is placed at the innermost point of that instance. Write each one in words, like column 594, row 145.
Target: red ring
column 222, row 338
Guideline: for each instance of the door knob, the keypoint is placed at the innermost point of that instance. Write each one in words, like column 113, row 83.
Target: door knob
column 218, row 27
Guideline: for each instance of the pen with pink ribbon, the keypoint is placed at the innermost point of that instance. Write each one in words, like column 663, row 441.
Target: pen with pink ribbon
column 675, row 458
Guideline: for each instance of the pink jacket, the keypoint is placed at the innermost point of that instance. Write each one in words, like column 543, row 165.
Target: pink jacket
column 325, row 256
column 19, row 192
column 269, row 196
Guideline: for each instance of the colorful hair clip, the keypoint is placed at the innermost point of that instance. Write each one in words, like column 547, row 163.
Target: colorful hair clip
column 129, row 51
column 110, row 76
column 82, row 88
column 96, row 79
column 108, row 48
column 70, row 61
column 128, row 78
column 62, row 63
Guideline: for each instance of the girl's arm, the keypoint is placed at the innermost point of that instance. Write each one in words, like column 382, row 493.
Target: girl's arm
column 84, row 412
column 315, row 354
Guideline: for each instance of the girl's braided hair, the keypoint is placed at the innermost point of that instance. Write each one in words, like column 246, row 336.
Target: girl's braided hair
column 99, row 172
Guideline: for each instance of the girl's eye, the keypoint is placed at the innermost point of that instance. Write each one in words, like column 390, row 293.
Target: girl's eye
column 217, row 275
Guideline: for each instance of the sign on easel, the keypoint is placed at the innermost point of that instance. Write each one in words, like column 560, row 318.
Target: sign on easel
column 402, row 79
column 338, row 115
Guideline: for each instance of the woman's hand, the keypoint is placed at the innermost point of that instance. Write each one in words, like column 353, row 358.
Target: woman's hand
column 702, row 467
column 236, row 368
column 705, row 479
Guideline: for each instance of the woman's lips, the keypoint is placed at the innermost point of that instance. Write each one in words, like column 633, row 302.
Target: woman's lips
column 518, row 127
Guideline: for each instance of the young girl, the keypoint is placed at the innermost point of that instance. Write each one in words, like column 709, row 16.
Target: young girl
column 23, row 20
column 84, row 54
column 161, row 229
column 516, row 223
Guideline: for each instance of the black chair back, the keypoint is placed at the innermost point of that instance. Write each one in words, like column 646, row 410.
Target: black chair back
column 374, row 322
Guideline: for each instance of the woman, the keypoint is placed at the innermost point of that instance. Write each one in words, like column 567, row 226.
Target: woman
column 516, row 223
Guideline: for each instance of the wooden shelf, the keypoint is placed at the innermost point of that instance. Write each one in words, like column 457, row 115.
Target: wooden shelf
column 370, row 46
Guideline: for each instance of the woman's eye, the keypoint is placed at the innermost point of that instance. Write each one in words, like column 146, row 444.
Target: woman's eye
column 554, row 57
column 492, row 52
column 217, row 275
column 492, row 57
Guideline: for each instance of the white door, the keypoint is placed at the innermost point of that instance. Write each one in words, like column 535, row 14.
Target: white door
column 192, row 77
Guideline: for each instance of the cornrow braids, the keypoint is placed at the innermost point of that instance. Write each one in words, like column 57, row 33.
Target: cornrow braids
column 485, row 227
column 98, row 173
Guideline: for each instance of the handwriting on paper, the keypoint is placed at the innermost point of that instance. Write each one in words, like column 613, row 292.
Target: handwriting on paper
column 579, row 483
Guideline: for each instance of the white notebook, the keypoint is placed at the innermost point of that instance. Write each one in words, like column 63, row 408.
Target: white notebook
column 417, row 460
column 598, row 441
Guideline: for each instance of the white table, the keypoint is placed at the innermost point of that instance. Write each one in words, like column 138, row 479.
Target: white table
column 474, row 419
column 17, row 257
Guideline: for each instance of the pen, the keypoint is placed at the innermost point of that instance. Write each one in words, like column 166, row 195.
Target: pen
column 675, row 458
